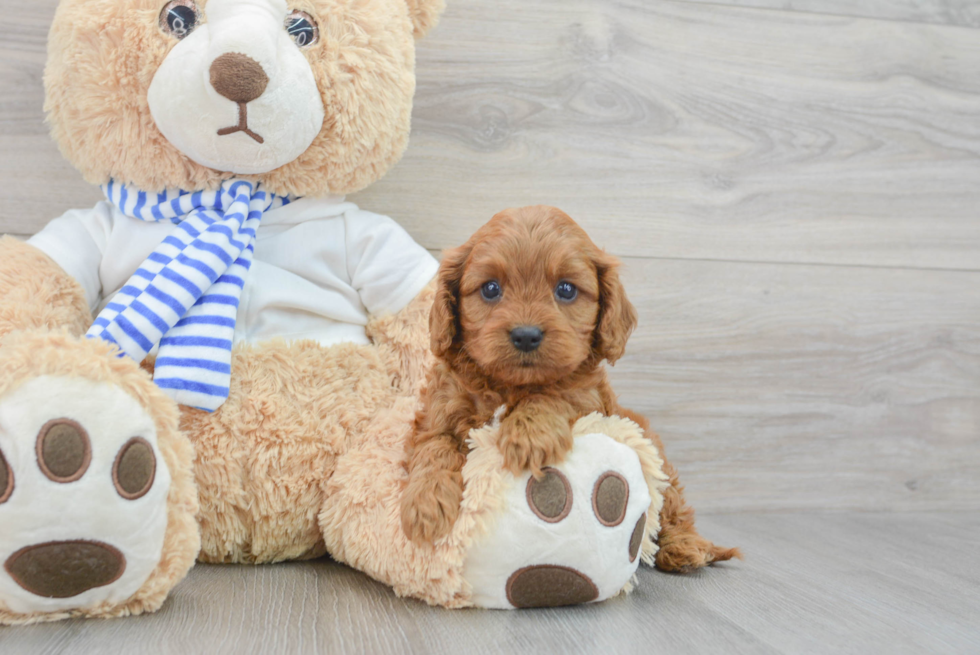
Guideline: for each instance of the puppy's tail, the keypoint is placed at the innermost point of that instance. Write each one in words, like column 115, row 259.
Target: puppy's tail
column 688, row 552
column 682, row 549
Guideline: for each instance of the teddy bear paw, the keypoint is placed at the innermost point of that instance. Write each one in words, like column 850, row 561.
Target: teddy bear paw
column 573, row 536
column 83, row 496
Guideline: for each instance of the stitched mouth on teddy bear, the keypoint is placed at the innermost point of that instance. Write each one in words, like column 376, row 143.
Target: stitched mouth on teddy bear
column 242, row 125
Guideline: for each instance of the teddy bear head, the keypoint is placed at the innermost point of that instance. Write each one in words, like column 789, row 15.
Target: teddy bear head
column 308, row 97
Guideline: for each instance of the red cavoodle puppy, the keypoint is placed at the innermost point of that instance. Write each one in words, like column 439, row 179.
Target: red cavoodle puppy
column 525, row 313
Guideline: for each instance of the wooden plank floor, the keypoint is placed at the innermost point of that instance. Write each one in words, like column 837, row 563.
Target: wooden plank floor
column 678, row 130
column 794, row 187
column 944, row 12
column 813, row 583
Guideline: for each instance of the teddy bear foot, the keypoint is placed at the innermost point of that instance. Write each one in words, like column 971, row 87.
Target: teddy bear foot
column 84, row 490
column 576, row 535
column 573, row 536
column 84, row 500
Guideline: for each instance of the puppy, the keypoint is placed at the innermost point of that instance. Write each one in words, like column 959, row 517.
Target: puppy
column 525, row 313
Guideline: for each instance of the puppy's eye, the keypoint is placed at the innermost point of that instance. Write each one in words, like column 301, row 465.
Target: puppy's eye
column 566, row 291
column 490, row 290
column 302, row 28
column 179, row 18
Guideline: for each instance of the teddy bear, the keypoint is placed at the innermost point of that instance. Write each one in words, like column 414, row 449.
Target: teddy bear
column 221, row 361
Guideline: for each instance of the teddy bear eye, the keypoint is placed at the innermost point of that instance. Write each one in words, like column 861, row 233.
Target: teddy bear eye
column 302, row 28
column 490, row 290
column 566, row 291
column 179, row 18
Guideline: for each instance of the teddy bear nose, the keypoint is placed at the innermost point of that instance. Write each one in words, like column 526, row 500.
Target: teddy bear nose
column 238, row 77
column 526, row 338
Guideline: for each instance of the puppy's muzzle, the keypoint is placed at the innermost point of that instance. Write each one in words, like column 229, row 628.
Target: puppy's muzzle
column 526, row 338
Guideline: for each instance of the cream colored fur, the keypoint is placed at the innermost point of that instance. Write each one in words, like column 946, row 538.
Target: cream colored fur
column 307, row 454
column 35, row 294
column 265, row 458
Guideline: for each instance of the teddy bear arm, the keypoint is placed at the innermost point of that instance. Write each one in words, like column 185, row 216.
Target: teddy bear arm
column 36, row 293
column 403, row 339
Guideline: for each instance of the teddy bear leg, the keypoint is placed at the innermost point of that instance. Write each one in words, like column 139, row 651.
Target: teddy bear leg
column 577, row 535
column 97, row 500
column 266, row 458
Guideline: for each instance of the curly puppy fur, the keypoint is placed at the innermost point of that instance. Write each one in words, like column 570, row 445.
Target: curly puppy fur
column 527, row 252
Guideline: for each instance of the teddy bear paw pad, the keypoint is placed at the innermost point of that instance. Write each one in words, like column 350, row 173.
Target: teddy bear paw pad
column 572, row 536
column 83, row 495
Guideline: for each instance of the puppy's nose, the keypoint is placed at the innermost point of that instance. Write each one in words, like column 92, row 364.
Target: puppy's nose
column 238, row 77
column 526, row 338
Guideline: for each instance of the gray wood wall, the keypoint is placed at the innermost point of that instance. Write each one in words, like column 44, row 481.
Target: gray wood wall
column 795, row 195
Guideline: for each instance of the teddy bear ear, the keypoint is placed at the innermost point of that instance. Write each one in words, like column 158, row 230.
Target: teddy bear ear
column 424, row 14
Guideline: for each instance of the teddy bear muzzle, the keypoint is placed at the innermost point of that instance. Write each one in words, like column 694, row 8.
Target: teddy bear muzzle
column 236, row 93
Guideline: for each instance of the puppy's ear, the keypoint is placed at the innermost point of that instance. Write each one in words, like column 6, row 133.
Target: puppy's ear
column 444, row 326
column 617, row 316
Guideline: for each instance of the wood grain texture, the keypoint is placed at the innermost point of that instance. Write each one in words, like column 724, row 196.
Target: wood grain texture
column 697, row 131
column 811, row 583
column 38, row 184
column 674, row 129
column 779, row 386
column 965, row 13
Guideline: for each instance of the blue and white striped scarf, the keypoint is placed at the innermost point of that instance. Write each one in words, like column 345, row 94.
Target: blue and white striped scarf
column 185, row 296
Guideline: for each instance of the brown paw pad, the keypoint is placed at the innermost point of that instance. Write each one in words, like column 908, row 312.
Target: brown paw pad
column 6, row 479
column 62, row 569
column 547, row 585
column 636, row 539
column 134, row 469
column 609, row 498
column 550, row 498
column 63, row 450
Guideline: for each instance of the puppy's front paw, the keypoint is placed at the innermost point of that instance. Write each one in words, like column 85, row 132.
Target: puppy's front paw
column 533, row 441
column 430, row 507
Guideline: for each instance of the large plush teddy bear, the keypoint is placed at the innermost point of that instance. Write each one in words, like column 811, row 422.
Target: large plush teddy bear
column 221, row 361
